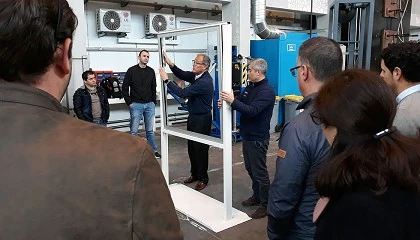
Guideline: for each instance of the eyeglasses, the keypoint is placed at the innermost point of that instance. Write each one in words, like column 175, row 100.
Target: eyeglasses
column 251, row 69
column 315, row 118
column 198, row 63
column 294, row 70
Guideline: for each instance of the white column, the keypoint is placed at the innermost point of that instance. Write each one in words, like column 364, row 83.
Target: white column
column 323, row 21
column 238, row 13
column 226, row 123
column 79, row 54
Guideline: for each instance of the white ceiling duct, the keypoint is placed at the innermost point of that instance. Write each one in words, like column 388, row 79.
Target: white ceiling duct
column 258, row 8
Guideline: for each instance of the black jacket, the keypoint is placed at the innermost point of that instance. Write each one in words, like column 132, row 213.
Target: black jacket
column 142, row 85
column 361, row 215
column 199, row 93
column 82, row 103
column 256, row 105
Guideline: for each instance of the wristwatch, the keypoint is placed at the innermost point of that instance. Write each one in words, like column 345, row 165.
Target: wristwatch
column 166, row 81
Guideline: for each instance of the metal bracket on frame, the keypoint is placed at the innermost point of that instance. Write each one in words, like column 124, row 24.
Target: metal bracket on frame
column 391, row 8
column 388, row 37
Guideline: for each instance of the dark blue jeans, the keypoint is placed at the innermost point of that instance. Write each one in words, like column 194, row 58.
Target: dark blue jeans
column 255, row 158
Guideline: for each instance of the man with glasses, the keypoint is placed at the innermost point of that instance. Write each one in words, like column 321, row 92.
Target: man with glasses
column 293, row 70
column 200, row 97
column 256, row 105
column 302, row 147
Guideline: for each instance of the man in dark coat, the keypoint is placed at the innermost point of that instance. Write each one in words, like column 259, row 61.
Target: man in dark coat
column 200, row 97
column 90, row 101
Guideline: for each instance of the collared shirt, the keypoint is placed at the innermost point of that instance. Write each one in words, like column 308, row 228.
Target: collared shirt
column 198, row 76
column 408, row 92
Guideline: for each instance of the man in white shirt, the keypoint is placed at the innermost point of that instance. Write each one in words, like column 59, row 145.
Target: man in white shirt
column 400, row 66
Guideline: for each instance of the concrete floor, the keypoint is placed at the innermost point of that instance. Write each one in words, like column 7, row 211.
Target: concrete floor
column 179, row 167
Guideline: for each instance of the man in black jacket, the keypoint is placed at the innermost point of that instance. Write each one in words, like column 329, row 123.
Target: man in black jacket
column 139, row 92
column 256, row 105
column 90, row 101
column 200, row 97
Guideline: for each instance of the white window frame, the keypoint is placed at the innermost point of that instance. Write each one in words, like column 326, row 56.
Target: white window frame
column 224, row 60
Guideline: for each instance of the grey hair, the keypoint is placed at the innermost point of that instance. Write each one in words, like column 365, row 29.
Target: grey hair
column 206, row 59
column 259, row 64
column 323, row 56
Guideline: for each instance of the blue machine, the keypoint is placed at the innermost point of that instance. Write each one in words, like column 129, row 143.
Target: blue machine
column 281, row 55
column 183, row 104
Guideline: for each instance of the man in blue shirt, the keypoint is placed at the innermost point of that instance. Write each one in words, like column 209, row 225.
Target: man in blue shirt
column 302, row 147
column 256, row 105
column 200, row 97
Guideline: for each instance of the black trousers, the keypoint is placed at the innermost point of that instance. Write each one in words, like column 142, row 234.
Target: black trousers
column 255, row 159
column 199, row 152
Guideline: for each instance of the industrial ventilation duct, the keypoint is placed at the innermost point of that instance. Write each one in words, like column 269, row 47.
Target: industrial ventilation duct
column 258, row 21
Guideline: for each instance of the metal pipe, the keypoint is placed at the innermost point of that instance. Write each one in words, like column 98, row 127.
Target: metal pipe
column 160, row 6
column 310, row 20
column 117, row 49
column 192, row 30
column 258, row 8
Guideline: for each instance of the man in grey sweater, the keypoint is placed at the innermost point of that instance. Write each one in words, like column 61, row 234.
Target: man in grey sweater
column 400, row 64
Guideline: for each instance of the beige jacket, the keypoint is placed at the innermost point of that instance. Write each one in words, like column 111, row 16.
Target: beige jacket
column 407, row 118
column 63, row 178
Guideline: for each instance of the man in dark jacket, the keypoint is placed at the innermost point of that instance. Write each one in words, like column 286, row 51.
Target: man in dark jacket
column 302, row 147
column 90, row 101
column 200, row 97
column 256, row 105
column 62, row 178
column 139, row 92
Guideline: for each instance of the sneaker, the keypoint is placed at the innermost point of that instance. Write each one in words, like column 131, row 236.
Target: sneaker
column 250, row 202
column 157, row 155
column 259, row 213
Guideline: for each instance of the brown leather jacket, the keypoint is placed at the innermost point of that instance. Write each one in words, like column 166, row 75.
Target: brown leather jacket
column 63, row 178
